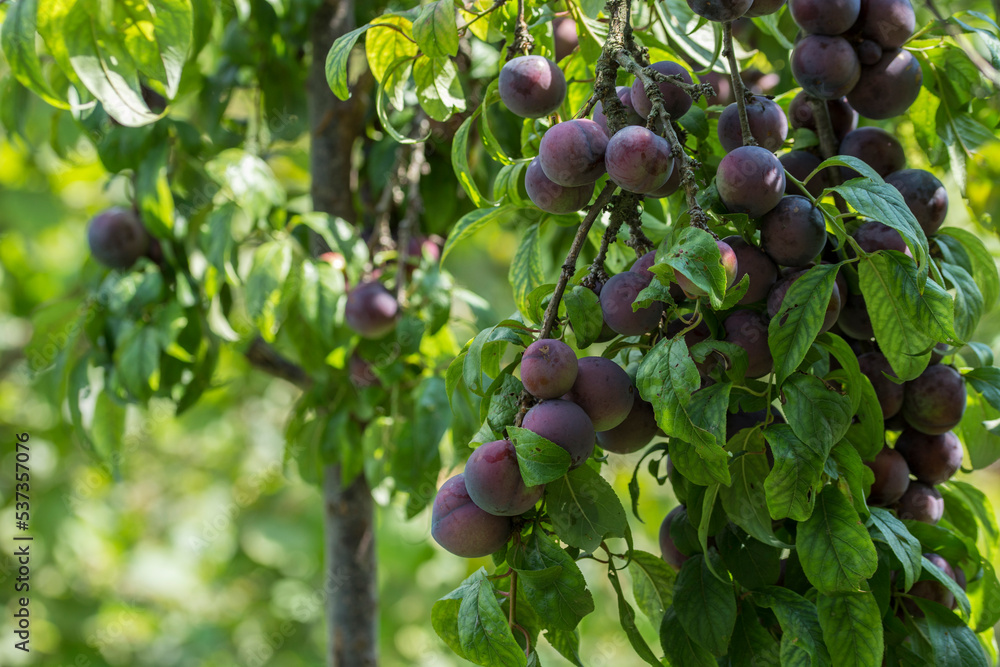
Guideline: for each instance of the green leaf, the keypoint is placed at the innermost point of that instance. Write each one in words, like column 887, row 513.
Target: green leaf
column 439, row 89
column 552, row 582
column 984, row 596
column 802, row 638
column 321, row 290
column 903, row 344
column 752, row 563
column 968, row 302
column 541, row 461
column 839, row 348
column 436, row 29
column 752, row 645
column 272, row 262
column 388, row 41
column 792, row 331
column 695, row 253
column 338, row 59
column 816, row 411
column 705, row 605
column 472, row 222
column 106, row 430
column 152, row 190
column 168, row 42
column 583, row 309
column 17, row 38
column 626, row 615
column 679, row 647
column 937, row 573
column 867, row 435
column 669, row 380
column 652, row 584
column 905, row 546
column 951, row 640
column 525, row 273
column 584, row 509
column 853, row 476
column 483, row 632
column 137, row 359
column 984, row 270
column 852, row 623
column 103, row 64
column 793, row 482
column 745, row 500
column 836, row 551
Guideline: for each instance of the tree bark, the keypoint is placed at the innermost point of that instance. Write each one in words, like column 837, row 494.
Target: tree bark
column 350, row 585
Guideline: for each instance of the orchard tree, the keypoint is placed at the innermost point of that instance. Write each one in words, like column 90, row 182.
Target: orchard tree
column 794, row 331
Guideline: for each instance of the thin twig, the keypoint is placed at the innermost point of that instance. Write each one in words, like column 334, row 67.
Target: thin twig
column 523, row 41
column 414, row 207
column 739, row 90
column 977, row 59
column 264, row 357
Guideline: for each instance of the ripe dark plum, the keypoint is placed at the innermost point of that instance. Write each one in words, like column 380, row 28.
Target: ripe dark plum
column 532, row 86
column 890, row 395
column 548, row 368
column 632, row 116
column 888, row 22
column 920, row 503
column 854, row 320
column 925, row 196
column 634, row 433
column 727, row 257
column 722, row 85
column 875, row 147
column 869, row 52
column 461, row 527
column 371, row 310
column 794, row 232
column 874, row 236
column 720, row 10
column 930, row 589
column 360, row 373
column 671, row 554
column 117, row 238
column 800, row 164
column 934, row 402
column 638, row 160
column 933, row 459
column 752, row 261
column 739, row 420
column 493, row 480
column 672, row 185
column 780, row 289
column 617, row 297
column 889, row 87
column 892, row 478
column 750, row 180
column 552, row 197
column 764, row 7
column 565, row 424
column 768, row 125
column 676, row 102
column 572, row 152
column 748, row 329
column 825, row 17
column 825, row 67
column 565, row 36
column 843, row 117
column 604, row 390
column 643, row 264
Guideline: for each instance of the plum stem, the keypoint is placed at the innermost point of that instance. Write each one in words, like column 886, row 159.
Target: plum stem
column 824, row 127
column 739, row 89
column 512, row 597
column 523, row 41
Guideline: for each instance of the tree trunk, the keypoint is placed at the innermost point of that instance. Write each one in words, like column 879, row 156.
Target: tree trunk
column 350, row 585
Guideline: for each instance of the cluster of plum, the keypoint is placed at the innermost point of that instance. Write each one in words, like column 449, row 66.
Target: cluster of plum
column 582, row 403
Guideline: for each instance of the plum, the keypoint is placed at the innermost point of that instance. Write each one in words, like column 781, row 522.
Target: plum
column 854, row 320
column 890, row 394
column 933, row 459
column 638, row 160
column 565, row 424
column 869, row 52
column 825, row 67
column 780, row 289
column 676, row 102
column 875, row 147
column 564, row 35
column 634, row 433
column 889, row 87
column 461, row 527
column 617, row 297
column 754, row 262
column 750, row 180
column 764, row 7
column 631, row 115
column 768, row 125
column 892, row 478
column 924, row 195
column 720, row 10
column 931, row 589
column 888, row 22
column 934, row 402
column 920, row 503
column 552, row 197
column 672, row 185
column 794, row 232
column 604, row 390
column 722, row 85
column 727, row 257
column 572, row 152
column 671, row 554
column 800, row 164
column 117, row 238
column 532, row 86
column 371, row 310
column 493, row 480
column 843, row 118
column 874, row 236
column 825, row 17
column 548, row 368
column 748, row 329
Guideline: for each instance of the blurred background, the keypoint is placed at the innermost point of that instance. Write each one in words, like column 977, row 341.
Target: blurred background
column 198, row 545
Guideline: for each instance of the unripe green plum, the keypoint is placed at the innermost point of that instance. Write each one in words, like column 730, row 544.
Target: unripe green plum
column 493, row 480
column 461, row 527
column 117, row 238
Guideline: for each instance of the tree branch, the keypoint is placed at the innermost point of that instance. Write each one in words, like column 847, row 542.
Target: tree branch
column 265, row 358
column 739, row 89
column 828, row 144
